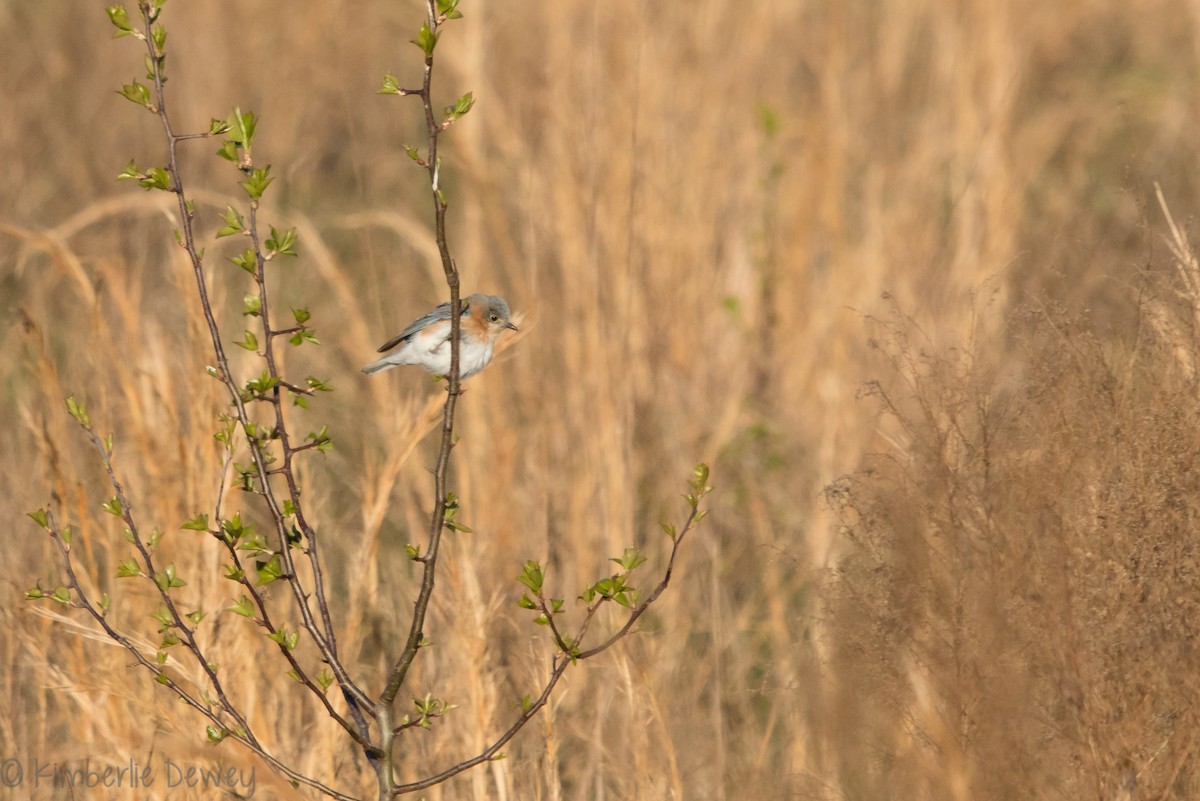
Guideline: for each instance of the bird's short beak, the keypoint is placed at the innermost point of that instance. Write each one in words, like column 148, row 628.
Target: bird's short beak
column 512, row 326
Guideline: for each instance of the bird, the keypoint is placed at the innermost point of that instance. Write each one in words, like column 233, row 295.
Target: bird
column 426, row 340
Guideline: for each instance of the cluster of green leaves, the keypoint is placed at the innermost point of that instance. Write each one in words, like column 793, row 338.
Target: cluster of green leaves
column 617, row 587
column 60, row 594
column 427, row 709
column 450, row 516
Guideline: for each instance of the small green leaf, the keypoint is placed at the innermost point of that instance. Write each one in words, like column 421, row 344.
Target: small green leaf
column 628, row 599
column 257, row 182
column 33, row 593
column 413, row 154
column 234, row 573
column 228, row 150
column 242, row 606
column 391, row 86
column 65, row 535
column 79, row 411
column 61, row 595
column 251, row 305
column 289, row 508
column 320, row 439
column 325, row 678
column 263, row 384
column 302, row 336
column 241, row 128
column 283, row 242
column 630, row 559
column 155, row 178
column 302, row 316
column 449, row 9
column 412, row 551
column 161, row 678
column 249, row 342
column 460, row 107
column 217, row 127
column 155, row 538
column 136, row 92
column 541, row 620
column 197, row 523
column 526, row 602
column 158, row 35
column 270, row 570
column 531, row 576
column 131, row 172
column 317, row 385
column 167, row 579
column 287, row 639
column 40, row 516
column 234, row 224
column 214, row 734
column 128, row 569
column 669, row 530
column 253, row 543
column 426, row 40
column 119, row 17
column 233, row 529
column 113, row 507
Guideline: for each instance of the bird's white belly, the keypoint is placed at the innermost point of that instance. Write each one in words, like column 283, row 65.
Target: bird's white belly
column 472, row 357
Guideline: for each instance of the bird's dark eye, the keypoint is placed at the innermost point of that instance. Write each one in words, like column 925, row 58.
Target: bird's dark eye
column 495, row 318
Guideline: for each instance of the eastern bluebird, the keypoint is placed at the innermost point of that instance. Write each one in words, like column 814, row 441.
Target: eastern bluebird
column 426, row 341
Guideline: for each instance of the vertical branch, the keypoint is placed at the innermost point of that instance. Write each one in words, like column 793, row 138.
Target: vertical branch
column 433, row 166
column 427, row 40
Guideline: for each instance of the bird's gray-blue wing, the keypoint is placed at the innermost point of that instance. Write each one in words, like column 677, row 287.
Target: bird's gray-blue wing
column 442, row 312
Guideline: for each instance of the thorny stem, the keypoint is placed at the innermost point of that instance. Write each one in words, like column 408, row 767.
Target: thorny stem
column 416, row 632
column 324, row 640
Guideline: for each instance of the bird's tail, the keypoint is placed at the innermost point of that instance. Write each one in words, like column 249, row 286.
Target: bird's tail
column 376, row 366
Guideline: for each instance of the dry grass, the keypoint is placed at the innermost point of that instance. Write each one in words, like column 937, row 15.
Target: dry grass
column 1002, row 604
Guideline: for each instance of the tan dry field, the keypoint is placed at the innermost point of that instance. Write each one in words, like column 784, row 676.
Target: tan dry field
column 897, row 271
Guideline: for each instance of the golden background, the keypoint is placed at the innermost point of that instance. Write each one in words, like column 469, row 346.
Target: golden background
column 897, row 271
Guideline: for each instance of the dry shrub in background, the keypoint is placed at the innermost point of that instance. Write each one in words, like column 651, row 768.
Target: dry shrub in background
column 1016, row 614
